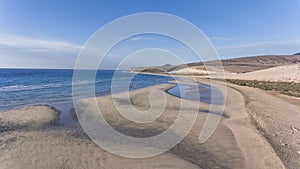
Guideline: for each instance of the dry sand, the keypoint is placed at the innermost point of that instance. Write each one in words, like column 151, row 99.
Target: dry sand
column 277, row 117
column 236, row 143
column 201, row 71
column 286, row 73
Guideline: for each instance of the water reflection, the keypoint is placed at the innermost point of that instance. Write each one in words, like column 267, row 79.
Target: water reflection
column 201, row 92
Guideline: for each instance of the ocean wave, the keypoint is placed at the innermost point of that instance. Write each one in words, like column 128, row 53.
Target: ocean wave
column 13, row 88
column 29, row 87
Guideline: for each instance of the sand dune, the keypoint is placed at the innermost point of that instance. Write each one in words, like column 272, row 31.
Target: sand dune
column 203, row 71
column 286, row 73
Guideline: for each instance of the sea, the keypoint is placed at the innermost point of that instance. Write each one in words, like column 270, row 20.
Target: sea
column 23, row 87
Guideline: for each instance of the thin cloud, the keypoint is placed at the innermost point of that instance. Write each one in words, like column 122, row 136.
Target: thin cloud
column 19, row 51
column 220, row 38
column 31, row 43
column 140, row 38
column 135, row 38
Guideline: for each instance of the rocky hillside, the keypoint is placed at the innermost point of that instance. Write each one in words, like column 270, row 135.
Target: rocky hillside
column 236, row 65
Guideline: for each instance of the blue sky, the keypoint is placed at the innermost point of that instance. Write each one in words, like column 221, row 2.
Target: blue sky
column 50, row 33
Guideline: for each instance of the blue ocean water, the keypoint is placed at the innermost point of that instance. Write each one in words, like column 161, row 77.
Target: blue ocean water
column 20, row 87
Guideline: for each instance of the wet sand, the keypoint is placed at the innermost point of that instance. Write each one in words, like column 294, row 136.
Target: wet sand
column 237, row 142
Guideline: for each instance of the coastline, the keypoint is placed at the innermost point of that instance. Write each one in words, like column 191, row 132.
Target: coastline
column 284, row 138
column 237, row 143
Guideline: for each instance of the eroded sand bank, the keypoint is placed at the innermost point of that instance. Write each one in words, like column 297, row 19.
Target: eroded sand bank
column 31, row 116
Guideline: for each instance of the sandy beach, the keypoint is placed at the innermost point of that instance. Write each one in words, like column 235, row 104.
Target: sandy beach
column 277, row 118
column 247, row 136
column 149, row 84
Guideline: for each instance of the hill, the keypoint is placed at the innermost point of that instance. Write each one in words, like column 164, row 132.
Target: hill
column 236, row 65
column 285, row 73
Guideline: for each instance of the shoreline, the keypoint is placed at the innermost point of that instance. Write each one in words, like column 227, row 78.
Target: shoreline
column 286, row 143
column 288, row 151
column 232, row 146
column 65, row 111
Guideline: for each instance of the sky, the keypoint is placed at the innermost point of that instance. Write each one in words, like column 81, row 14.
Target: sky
column 51, row 33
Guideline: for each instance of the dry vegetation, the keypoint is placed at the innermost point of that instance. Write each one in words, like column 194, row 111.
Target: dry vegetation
column 287, row 88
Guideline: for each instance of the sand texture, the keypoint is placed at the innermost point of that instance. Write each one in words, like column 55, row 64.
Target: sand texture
column 278, row 118
column 237, row 143
column 32, row 116
column 286, row 73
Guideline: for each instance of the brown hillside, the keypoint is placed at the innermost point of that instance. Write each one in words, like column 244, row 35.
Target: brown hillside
column 236, row 65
